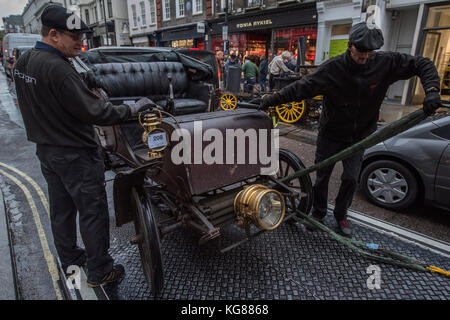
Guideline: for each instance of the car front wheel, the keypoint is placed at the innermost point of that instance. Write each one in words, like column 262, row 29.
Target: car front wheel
column 389, row 184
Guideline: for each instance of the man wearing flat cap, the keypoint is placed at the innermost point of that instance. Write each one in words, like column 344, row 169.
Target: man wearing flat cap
column 354, row 85
column 59, row 111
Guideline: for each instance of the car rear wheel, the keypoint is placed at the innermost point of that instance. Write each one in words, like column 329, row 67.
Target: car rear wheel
column 389, row 184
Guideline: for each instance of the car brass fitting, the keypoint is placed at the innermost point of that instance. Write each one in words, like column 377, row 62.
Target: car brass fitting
column 261, row 205
column 153, row 136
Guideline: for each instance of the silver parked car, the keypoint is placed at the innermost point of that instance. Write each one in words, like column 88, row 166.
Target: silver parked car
column 413, row 165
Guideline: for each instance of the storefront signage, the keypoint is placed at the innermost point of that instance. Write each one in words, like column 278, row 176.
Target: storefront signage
column 273, row 18
column 200, row 27
column 254, row 24
column 140, row 39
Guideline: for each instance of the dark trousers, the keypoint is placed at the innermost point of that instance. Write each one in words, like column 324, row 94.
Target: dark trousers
column 249, row 85
column 271, row 82
column 262, row 81
column 76, row 182
column 352, row 165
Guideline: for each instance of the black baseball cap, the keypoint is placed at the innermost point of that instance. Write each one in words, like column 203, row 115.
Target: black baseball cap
column 58, row 17
column 365, row 38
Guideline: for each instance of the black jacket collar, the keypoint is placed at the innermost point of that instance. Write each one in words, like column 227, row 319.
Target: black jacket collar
column 44, row 46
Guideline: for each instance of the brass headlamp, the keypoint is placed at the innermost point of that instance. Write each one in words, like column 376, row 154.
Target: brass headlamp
column 153, row 136
column 261, row 205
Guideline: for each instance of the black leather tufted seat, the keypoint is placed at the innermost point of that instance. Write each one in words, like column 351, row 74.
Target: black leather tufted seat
column 133, row 80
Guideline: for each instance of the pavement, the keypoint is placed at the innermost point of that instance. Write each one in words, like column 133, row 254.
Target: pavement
column 7, row 274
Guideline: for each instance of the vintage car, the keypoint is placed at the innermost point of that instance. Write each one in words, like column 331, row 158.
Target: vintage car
column 207, row 169
column 202, row 195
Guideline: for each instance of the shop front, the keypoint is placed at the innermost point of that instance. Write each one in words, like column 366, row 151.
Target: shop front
column 185, row 36
column 436, row 47
column 141, row 41
column 277, row 30
column 102, row 36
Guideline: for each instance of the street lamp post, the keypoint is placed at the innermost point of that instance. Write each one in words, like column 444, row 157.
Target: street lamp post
column 225, row 42
column 106, row 27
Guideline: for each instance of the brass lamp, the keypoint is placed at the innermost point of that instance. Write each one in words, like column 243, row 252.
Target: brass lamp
column 261, row 205
column 153, row 136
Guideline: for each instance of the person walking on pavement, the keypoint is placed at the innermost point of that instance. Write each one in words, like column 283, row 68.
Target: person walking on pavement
column 59, row 111
column 277, row 67
column 263, row 69
column 354, row 85
column 250, row 71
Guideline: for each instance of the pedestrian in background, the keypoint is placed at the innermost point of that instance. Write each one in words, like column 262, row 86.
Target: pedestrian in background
column 250, row 71
column 231, row 61
column 59, row 111
column 263, row 69
column 277, row 67
column 354, row 85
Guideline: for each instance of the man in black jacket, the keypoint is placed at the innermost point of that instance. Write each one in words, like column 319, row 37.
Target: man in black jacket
column 59, row 111
column 354, row 85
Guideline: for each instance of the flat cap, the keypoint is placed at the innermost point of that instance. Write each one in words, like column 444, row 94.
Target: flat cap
column 58, row 17
column 366, row 38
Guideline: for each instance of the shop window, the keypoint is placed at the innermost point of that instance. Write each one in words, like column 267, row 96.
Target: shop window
column 256, row 44
column 286, row 39
column 436, row 47
column 339, row 39
column 341, row 29
column 180, row 8
column 188, row 43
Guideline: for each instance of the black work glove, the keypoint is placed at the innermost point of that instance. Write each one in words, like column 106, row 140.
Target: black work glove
column 91, row 80
column 256, row 101
column 140, row 105
column 269, row 101
column 431, row 103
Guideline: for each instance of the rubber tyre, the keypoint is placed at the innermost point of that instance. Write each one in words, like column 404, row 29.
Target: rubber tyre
column 405, row 175
column 304, row 182
column 150, row 247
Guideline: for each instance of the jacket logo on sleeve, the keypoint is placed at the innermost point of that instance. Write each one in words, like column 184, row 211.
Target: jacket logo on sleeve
column 23, row 76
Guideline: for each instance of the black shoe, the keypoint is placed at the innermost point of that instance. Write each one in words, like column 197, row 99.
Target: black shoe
column 115, row 275
column 80, row 262
column 312, row 227
column 344, row 228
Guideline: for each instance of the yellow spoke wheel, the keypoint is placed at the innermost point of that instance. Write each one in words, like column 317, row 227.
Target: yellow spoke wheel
column 291, row 112
column 228, row 101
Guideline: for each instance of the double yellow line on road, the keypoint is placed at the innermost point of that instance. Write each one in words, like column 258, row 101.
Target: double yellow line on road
column 51, row 265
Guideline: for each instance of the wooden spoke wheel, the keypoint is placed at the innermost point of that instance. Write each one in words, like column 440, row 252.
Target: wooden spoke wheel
column 288, row 164
column 147, row 238
column 291, row 112
column 228, row 101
